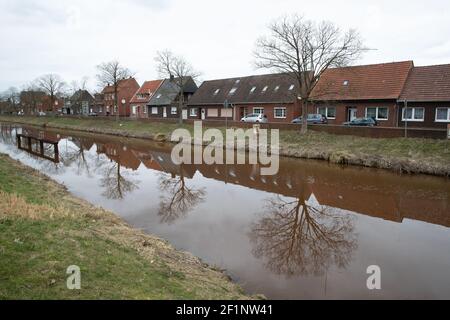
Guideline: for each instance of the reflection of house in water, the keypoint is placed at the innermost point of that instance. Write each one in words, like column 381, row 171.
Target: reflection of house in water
column 361, row 190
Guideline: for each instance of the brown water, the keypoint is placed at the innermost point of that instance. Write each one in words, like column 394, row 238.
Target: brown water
column 310, row 232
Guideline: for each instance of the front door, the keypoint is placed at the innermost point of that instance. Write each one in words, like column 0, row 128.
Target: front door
column 352, row 114
column 203, row 114
column 165, row 112
column 185, row 114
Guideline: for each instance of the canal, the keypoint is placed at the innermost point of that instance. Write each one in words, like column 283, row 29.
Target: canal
column 309, row 232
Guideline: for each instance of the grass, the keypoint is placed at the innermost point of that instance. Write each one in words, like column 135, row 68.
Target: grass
column 44, row 230
column 410, row 155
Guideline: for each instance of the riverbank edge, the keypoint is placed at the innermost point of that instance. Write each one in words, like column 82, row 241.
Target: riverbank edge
column 115, row 229
column 338, row 156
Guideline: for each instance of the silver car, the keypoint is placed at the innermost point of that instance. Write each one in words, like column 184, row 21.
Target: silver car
column 255, row 118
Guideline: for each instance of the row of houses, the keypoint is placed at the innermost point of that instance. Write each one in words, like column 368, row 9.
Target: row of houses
column 392, row 93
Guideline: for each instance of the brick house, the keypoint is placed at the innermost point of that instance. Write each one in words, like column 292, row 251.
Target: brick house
column 273, row 95
column 164, row 102
column 126, row 90
column 427, row 96
column 99, row 103
column 142, row 97
column 81, row 102
column 343, row 94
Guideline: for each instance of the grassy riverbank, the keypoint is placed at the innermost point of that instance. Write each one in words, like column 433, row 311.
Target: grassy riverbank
column 44, row 230
column 401, row 155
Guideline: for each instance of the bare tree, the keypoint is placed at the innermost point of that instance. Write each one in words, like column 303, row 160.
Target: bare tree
column 110, row 74
column 179, row 71
column 304, row 50
column 11, row 99
column 53, row 85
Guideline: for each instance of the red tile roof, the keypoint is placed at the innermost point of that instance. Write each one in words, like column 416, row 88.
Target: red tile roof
column 368, row 82
column 149, row 88
column 125, row 83
column 431, row 83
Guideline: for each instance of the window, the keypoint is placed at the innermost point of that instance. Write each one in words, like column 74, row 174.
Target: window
column 258, row 110
column 253, row 90
column 280, row 113
column 443, row 115
column 145, row 109
column 276, row 88
column 216, row 92
column 413, row 114
column 158, row 96
column 154, row 110
column 214, row 113
column 265, row 89
column 377, row 113
column 226, row 113
column 345, row 83
column 329, row 112
column 291, row 87
column 193, row 112
column 174, row 110
column 233, row 91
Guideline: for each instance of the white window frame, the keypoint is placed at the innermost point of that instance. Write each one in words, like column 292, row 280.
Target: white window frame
column 377, row 113
column 155, row 110
column 193, row 112
column 145, row 109
column 275, row 113
column 326, row 112
column 413, row 113
column 173, row 111
column 253, row 89
column 448, row 114
column 259, row 109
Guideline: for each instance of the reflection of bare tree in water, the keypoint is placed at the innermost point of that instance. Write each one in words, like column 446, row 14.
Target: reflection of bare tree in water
column 296, row 238
column 178, row 198
column 116, row 183
column 78, row 155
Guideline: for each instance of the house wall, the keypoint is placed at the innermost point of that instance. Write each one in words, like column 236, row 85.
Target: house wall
column 430, row 115
column 160, row 114
column 342, row 110
column 141, row 110
column 292, row 111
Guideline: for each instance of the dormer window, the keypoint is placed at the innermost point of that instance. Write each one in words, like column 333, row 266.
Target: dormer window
column 276, row 88
column 252, row 89
column 345, row 83
column 158, row 96
column 216, row 92
column 291, row 87
column 237, row 81
column 265, row 89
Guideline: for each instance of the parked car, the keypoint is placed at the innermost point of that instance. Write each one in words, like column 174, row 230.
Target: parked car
column 312, row 119
column 93, row 114
column 362, row 122
column 255, row 118
column 41, row 114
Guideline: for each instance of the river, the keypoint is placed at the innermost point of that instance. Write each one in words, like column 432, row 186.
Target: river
column 309, row 232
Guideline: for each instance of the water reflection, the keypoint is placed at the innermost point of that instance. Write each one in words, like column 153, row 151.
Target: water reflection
column 298, row 237
column 276, row 234
column 178, row 198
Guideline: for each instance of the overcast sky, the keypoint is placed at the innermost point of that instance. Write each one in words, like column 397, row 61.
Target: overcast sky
column 72, row 37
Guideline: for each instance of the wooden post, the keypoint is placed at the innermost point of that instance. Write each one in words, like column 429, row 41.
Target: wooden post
column 55, row 146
